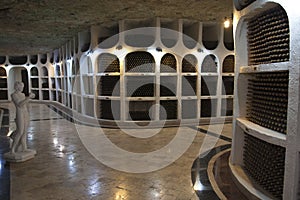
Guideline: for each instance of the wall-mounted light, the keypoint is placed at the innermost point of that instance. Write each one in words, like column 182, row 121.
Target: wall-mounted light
column 226, row 22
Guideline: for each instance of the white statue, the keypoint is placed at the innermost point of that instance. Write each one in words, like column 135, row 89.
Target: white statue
column 19, row 151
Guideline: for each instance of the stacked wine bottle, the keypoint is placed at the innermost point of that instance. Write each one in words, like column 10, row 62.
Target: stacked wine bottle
column 140, row 110
column 140, row 86
column 109, row 86
column 170, row 107
column 189, row 63
column 264, row 162
column 108, row 109
column 268, row 37
column 140, row 62
column 168, row 64
column 108, row 63
column 168, row 85
column 267, row 100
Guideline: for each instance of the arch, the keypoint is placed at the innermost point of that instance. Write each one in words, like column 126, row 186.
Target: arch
column 34, row 71
column 210, row 64
column 57, row 70
column 2, row 71
column 139, row 61
column 228, row 64
column 18, row 60
column 2, row 59
column 189, row 63
column 107, row 62
column 168, row 63
column 268, row 37
column 44, row 71
column 210, row 36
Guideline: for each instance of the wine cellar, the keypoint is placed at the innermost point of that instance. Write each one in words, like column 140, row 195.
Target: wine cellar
column 265, row 148
column 181, row 71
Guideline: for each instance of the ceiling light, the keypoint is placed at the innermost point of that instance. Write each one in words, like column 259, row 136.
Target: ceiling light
column 226, row 22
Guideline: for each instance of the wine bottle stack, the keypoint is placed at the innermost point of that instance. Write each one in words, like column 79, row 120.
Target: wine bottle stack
column 209, row 64
column 140, row 110
column 59, row 98
column 228, row 64
column 265, row 163
column 170, row 107
column 108, row 109
column 3, row 83
column 189, row 64
column 168, row 85
column 53, row 93
column 109, row 86
column 168, row 64
column 146, row 90
column 45, row 94
column 189, row 86
column 140, row 86
column 140, row 62
column 108, row 63
column 268, row 37
column 267, row 100
column 34, row 82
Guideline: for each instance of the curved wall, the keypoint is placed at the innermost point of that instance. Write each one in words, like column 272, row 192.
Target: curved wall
column 139, row 70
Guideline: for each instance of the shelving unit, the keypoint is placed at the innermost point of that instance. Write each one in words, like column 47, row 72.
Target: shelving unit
column 138, row 70
column 3, row 84
column 34, row 74
column 265, row 148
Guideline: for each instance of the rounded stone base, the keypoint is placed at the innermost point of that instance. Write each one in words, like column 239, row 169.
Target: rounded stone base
column 20, row 156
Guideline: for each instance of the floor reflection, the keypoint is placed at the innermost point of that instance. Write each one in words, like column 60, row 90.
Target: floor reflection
column 224, row 179
column 4, row 167
column 200, row 178
column 64, row 169
column 222, row 176
column 4, row 170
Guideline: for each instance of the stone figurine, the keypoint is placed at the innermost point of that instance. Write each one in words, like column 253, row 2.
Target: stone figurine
column 19, row 151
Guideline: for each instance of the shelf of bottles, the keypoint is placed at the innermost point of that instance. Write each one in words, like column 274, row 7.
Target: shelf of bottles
column 140, row 86
column 268, row 37
column 268, row 100
column 140, row 110
column 171, row 72
column 265, row 163
column 108, row 109
column 168, row 87
column 44, row 79
column 265, row 71
column 3, row 84
column 108, row 87
column 35, row 82
column 227, row 86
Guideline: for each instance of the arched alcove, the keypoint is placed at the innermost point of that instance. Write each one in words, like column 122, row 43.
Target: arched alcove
column 168, row 64
column 209, row 64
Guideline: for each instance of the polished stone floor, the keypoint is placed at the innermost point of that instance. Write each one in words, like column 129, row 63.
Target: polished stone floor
column 78, row 162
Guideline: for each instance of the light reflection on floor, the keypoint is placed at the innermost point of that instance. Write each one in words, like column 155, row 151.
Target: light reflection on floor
column 64, row 169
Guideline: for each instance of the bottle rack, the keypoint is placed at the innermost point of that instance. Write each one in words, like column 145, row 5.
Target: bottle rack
column 266, row 89
column 268, row 37
column 162, row 74
column 264, row 162
column 3, row 84
column 267, row 100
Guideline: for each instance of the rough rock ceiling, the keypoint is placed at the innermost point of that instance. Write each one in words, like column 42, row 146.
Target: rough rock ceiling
column 39, row 26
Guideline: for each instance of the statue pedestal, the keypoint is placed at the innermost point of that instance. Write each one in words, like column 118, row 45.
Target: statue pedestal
column 19, row 156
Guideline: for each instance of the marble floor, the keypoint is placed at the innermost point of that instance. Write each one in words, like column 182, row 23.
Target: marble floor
column 83, row 162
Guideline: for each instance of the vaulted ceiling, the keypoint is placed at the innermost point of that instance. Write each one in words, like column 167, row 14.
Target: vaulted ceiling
column 40, row 26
